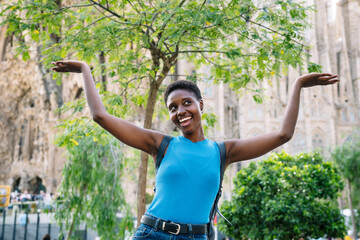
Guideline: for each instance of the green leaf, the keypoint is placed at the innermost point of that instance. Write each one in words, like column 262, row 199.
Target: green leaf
column 313, row 67
column 25, row 56
column 257, row 98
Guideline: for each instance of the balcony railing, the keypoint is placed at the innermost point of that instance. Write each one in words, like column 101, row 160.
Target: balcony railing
column 31, row 220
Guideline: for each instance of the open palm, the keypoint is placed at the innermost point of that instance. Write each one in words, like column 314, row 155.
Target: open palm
column 67, row 66
column 314, row 79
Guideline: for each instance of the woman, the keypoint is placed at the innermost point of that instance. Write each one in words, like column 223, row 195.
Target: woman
column 188, row 178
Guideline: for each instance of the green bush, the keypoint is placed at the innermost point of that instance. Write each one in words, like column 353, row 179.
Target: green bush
column 285, row 197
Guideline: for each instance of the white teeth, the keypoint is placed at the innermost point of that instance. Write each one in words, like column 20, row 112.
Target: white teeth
column 184, row 119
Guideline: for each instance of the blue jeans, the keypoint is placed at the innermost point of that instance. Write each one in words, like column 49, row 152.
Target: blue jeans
column 145, row 232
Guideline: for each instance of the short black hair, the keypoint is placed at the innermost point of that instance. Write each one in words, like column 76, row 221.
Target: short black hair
column 47, row 237
column 184, row 85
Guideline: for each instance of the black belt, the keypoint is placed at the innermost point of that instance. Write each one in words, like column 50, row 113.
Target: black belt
column 174, row 228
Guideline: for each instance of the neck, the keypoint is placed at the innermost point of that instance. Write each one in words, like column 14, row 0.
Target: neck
column 197, row 136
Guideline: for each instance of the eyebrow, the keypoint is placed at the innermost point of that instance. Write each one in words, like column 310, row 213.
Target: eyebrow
column 188, row 98
column 183, row 99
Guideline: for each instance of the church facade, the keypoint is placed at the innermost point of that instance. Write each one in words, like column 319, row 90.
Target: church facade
column 328, row 115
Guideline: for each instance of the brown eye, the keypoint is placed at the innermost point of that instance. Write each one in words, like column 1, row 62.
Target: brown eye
column 172, row 108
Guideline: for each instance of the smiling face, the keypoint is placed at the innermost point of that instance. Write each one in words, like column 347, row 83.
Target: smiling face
column 185, row 111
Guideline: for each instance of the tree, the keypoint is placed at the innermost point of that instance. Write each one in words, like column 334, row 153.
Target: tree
column 347, row 157
column 285, row 197
column 91, row 189
column 134, row 43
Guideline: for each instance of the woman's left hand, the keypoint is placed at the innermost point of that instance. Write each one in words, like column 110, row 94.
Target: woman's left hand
column 68, row 66
column 314, row 79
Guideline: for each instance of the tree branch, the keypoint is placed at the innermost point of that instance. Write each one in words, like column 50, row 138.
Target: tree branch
column 134, row 7
column 142, row 6
column 209, row 51
column 274, row 31
column 97, row 20
column 129, row 81
column 108, row 10
column 215, row 64
column 181, row 35
column 76, row 6
column 172, row 14
column 154, row 18
column 175, row 54
column 59, row 11
column 241, row 34
column 152, row 5
column 116, row 15
column 166, row 22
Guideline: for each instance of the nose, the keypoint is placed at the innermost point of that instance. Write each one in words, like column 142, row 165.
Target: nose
column 181, row 110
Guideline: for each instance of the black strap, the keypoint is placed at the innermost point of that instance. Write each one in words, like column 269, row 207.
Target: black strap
column 222, row 150
column 215, row 208
column 160, row 154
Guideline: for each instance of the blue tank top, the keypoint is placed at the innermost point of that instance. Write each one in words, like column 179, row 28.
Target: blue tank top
column 187, row 181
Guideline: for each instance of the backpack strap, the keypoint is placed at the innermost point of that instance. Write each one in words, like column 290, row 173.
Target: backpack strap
column 222, row 150
column 215, row 208
column 161, row 151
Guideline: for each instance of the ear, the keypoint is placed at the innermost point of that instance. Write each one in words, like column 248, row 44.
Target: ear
column 201, row 105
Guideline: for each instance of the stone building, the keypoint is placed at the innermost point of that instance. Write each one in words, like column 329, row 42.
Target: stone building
column 28, row 99
column 29, row 159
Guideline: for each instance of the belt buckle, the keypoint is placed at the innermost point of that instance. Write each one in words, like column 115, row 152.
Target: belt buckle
column 177, row 231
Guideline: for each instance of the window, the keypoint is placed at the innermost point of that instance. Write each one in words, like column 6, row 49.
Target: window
column 343, row 115
column 317, row 141
column 352, row 117
column 255, row 111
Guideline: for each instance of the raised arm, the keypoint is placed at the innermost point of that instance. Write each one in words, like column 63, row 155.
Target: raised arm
column 244, row 149
column 128, row 133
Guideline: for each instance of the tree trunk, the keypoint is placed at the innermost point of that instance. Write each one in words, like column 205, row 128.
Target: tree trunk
column 71, row 227
column 155, row 83
column 149, row 112
column 353, row 220
column 102, row 61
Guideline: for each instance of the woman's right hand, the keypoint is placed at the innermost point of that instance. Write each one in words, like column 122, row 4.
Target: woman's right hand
column 68, row 66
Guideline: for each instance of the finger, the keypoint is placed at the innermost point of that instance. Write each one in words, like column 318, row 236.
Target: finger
column 56, row 69
column 328, row 77
column 318, row 75
column 60, row 63
column 56, row 63
column 332, row 81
